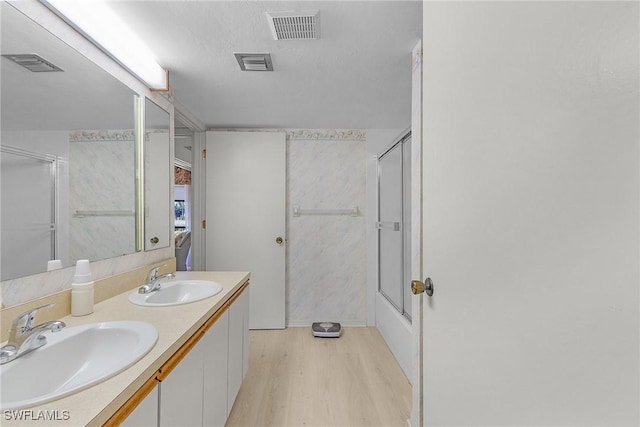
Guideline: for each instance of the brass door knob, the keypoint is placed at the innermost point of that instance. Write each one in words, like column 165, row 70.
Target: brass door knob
column 154, row 240
column 418, row 287
column 279, row 240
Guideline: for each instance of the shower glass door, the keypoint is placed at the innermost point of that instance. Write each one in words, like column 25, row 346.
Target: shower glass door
column 28, row 212
column 390, row 230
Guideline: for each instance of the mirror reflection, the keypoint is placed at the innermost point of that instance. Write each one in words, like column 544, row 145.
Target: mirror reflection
column 67, row 154
column 157, row 176
column 182, row 200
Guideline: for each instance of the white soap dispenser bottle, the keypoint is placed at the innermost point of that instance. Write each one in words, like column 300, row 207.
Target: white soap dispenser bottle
column 82, row 290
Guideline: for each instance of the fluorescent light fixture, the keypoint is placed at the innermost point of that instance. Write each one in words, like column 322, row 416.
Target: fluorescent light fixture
column 103, row 27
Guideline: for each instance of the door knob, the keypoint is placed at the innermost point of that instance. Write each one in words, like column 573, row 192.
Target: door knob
column 279, row 240
column 154, row 240
column 417, row 287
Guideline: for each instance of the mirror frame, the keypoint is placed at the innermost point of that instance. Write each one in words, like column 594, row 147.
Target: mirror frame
column 158, row 175
column 139, row 129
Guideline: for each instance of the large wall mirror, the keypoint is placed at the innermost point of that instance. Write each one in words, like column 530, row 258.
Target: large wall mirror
column 68, row 171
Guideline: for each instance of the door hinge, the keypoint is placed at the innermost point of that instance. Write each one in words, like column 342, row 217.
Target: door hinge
column 204, row 223
column 204, row 153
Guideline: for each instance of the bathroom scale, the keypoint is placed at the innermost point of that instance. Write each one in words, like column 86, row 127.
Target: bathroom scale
column 326, row 329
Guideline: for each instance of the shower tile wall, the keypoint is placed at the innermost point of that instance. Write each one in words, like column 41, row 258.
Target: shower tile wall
column 326, row 254
column 101, row 178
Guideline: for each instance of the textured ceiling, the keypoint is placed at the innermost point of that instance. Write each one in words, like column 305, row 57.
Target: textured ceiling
column 357, row 75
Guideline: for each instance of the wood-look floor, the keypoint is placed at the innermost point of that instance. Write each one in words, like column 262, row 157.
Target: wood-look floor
column 295, row 379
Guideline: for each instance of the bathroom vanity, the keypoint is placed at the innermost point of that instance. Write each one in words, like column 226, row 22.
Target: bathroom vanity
column 190, row 377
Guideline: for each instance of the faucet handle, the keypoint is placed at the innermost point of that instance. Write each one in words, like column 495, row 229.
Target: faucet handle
column 153, row 273
column 24, row 321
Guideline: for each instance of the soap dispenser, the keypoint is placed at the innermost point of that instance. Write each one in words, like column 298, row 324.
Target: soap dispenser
column 82, row 290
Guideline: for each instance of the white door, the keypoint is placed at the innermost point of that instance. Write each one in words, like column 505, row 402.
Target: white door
column 245, row 212
column 531, row 214
column 158, row 179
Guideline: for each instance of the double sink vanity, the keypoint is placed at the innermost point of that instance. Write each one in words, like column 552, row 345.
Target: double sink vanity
column 189, row 338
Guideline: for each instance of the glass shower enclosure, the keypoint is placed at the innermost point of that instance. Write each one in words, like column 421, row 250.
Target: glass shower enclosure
column 393, row 224
column 28, row 211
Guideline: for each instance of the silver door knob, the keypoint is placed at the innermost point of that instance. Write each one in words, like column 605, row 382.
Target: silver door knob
column 154, row 240
column 279, row 240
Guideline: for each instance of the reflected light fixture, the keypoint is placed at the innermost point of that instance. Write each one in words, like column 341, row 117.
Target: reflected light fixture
column 95, row 20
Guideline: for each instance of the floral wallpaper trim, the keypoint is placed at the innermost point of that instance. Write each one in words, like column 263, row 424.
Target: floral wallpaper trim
column 312, row 134
column 327, row 134
column 101, row 135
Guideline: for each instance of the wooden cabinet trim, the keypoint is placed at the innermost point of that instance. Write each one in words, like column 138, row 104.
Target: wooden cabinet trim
column 128, row 407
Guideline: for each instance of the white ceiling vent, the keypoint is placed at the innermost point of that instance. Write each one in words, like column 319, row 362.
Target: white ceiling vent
column 254, row 61
column 33, row 62
column 304, row 25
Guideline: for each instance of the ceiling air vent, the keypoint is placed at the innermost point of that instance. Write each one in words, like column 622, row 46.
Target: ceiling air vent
column 254, row 61
column 33, row 62
column 304, row 25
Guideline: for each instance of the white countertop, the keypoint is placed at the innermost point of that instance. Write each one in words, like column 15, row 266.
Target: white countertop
column 175, row 324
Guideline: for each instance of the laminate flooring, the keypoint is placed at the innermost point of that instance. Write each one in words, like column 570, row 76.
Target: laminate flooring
column 295, row 379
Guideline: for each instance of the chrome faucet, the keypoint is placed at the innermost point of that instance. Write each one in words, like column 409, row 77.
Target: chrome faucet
column 153, row 281
column 24, row 337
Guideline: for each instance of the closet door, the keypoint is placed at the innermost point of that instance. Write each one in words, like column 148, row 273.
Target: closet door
column 245, row 204
column 390, row 226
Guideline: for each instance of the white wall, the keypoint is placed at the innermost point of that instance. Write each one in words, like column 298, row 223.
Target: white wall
column 531, row 130
column 182, row 152
column 326, row 255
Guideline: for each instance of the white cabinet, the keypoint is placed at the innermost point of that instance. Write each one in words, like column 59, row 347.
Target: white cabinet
column 201, row 389
column 181, row 391
column 146, row 413
column 216, row 356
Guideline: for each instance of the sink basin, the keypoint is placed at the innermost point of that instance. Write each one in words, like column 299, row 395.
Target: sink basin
column 72, row 360
column 177, row 292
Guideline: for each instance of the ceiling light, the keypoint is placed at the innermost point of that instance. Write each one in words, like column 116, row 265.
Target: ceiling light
column 101, row 25
column 254, row 61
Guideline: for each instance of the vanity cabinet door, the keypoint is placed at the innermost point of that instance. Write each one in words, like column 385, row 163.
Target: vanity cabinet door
column 216, row 347
column 181, row 391
column 244, row 303
column 146, row 413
